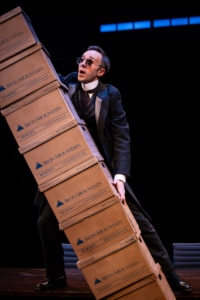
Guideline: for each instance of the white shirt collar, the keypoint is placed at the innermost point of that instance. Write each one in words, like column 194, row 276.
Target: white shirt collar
column 90, row 86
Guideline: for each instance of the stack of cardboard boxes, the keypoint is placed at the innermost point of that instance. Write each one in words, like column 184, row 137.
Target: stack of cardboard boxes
column 70, row 171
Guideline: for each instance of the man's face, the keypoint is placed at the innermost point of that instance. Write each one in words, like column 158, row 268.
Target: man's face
column 89, row 66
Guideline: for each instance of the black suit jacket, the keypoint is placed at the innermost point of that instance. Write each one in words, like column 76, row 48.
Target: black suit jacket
column 112, row 125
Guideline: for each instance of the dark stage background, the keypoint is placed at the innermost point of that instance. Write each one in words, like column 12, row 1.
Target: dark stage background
column 157, row 72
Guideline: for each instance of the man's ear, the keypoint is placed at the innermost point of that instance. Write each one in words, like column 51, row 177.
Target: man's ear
column 101, row 72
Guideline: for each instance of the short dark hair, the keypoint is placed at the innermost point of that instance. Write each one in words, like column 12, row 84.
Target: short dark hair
column 105, row 59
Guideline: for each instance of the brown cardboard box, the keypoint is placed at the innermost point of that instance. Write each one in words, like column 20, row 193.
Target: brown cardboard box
column 152, row 287
column 78, row 193
column 16, row 33
column 25, row 73
column 118, row 266
column 42, row 114
column 99, row 227
column 61, row 153
column 71, row 172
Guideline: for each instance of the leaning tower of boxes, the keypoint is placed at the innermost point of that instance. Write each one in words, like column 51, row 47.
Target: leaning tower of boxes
column 70, row 171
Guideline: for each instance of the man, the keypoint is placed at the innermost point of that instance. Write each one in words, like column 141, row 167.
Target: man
column 106, row 120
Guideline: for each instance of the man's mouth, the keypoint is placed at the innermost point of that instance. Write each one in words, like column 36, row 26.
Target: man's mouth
column 81, row 72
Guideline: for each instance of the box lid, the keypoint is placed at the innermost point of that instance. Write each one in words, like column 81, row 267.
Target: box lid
column 23, row 54
column 13, row 12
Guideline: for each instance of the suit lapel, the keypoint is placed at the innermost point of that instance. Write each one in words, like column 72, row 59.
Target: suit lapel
column 101, row 108
column 71, row 88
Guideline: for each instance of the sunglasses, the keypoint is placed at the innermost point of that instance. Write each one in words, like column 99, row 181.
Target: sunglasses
column 88, row 61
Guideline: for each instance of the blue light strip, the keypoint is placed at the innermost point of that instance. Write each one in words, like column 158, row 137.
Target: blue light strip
column 194, row 20
column 125, row 26
column 147, row 24
column 161, row 23
column 179, row 21
column 142, row 24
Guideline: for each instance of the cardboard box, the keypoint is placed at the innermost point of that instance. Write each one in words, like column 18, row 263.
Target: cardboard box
column 117, row 267
column 99, row 227
column 16, row 33
column 61, row 153
column 41, row 115
column 153, row 287
column 66, row 175
column 78, row 193
column 25, row 73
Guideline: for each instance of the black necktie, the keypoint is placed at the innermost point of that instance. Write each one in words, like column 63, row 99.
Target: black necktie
column 85, row 98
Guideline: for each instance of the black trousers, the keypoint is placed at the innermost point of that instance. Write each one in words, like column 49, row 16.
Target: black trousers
column 51, row 237
column 151, row 238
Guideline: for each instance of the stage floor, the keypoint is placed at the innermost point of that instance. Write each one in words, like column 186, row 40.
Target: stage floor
column 18, row 283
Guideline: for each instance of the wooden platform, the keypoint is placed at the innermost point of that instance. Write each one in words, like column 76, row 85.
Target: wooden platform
column 19, row 283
